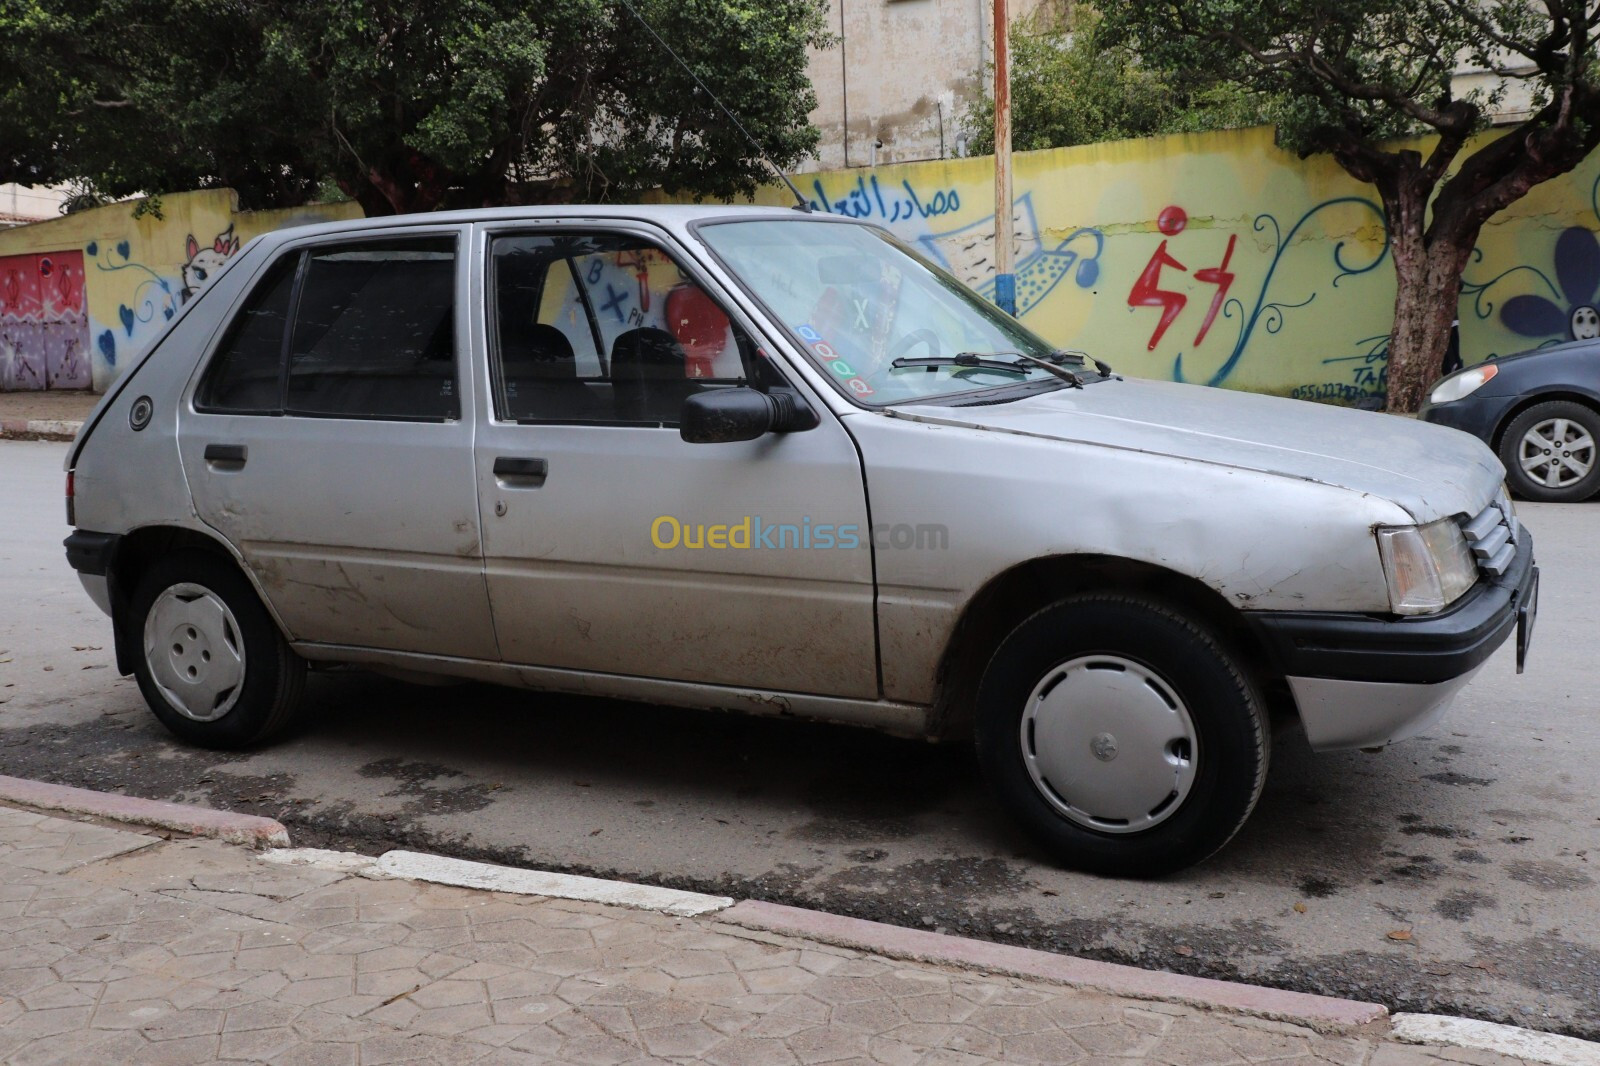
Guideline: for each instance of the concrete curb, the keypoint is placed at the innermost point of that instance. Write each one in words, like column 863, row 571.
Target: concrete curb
column 243, row 829
column 1322, row 1013
column 1526, row 1044
column 40, row 428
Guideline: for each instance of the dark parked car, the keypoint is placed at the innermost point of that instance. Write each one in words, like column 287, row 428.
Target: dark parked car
column 1539, row 411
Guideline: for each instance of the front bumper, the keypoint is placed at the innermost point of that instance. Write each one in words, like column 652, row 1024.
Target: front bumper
column 1363, row 680
column 1477, row 414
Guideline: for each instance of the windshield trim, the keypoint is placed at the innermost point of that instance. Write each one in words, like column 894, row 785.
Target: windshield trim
column 798, row 343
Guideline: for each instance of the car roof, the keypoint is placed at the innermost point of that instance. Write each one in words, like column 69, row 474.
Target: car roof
column 672, row 216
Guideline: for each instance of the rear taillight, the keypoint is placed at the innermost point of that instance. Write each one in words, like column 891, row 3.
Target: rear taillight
column 72, row 511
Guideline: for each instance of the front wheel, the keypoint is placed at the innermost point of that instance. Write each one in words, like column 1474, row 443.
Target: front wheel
column 211, row 663
column 1549, row 452
column 1122, row 734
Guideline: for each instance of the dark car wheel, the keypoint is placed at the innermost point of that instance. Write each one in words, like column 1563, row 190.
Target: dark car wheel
column 211, row 663
column 1549, row 452
column 1122, row 734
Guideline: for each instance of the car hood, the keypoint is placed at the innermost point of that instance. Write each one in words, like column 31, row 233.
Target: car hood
column 1428, row 470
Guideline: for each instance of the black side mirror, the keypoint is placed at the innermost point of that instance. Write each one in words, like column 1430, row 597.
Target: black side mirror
column 721, row 416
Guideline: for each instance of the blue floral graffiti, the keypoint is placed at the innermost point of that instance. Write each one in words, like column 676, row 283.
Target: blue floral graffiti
column 1571, row 315
column 154, row 294
column 1269, row 314
column 1571, row 310
column 1040, row 270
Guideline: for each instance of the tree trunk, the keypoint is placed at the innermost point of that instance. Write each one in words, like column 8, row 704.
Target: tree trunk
column 1424, row 309
column 1428, row 262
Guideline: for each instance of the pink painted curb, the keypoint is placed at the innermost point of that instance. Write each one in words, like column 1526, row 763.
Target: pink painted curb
column 244, row 829
column 1318, row 1012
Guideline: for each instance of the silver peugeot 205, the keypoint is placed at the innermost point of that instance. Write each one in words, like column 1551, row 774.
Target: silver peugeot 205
column 780, row 463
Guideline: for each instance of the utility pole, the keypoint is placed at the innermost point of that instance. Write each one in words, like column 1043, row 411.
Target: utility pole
column 1005, row 282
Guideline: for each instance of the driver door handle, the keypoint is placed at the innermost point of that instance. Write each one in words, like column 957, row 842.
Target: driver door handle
column 519, row 472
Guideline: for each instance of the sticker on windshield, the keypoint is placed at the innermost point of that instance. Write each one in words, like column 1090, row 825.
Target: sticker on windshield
column 831, row 359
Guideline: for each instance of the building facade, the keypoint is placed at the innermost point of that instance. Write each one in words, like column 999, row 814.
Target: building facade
column 899, row 76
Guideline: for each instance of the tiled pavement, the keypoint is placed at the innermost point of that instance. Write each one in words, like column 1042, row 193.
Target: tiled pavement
column 120, row 947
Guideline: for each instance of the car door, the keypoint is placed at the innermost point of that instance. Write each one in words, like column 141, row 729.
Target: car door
column 613, row 546
column 326, row 441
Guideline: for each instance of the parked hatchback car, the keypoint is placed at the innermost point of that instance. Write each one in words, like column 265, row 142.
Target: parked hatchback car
column 1540, row 410
column 778, row 463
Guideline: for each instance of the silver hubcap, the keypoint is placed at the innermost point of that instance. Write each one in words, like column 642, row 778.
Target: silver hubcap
column 1109, row 744
column 1557, row 453
column 195, row 653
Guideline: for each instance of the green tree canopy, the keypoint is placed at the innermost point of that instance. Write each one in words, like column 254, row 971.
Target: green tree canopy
column 1072, row 82
column 1359, row 78
column 405, row 106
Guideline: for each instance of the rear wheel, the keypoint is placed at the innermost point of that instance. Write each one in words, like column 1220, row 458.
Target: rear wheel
column 210, row 662
column 1122, row 734
column 1550, row 454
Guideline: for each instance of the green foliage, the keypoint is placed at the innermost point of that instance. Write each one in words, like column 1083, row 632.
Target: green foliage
column 1073, row 82
column 403, row 106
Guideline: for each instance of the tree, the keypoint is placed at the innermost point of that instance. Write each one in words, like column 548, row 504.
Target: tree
column 406, row 106
column 1071, row 83
column 1360, row 78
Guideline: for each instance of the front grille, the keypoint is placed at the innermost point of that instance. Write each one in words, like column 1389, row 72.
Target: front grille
column 1492, row 535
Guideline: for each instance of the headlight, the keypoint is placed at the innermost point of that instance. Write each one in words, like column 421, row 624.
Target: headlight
column 1427, row 567
column 1462, row 385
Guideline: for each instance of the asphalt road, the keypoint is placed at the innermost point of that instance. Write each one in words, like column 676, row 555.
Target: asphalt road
column 1456, row 872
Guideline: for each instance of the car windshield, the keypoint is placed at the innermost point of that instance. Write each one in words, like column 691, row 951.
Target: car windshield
column 884, row 323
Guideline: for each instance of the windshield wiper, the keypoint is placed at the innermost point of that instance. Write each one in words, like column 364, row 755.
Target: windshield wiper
column 1071, row 378
column 969, row 359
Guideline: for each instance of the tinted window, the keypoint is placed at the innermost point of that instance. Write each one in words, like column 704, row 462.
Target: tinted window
column 607, row 328
column 374, row 332
column 244, row 375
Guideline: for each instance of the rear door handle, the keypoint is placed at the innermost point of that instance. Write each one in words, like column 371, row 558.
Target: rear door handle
column 529, row 472
column 226, row 454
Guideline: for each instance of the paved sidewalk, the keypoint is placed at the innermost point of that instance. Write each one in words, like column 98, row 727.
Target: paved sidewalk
column 119, row 946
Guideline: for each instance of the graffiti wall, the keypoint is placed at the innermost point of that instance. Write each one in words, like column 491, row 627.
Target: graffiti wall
column 1219, row 259
column 44, row 322
column 84, row 295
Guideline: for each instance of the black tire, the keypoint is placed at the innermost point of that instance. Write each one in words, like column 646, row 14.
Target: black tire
column 1582, row 422
column 271, row 678
column 1165, row 650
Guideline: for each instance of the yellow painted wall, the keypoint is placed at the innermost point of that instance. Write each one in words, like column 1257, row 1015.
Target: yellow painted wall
column 1308, row 306
column 136, row 272
column 1300, row 306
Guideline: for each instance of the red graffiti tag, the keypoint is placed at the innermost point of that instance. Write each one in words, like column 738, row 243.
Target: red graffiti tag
column 1219, row 276
column 1147, row 292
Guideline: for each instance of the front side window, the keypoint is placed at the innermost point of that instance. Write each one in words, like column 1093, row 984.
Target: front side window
column 357, row 330
column 607, row 328
column 860, row 303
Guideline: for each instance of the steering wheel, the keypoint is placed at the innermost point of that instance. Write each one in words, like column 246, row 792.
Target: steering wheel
column 925, row 337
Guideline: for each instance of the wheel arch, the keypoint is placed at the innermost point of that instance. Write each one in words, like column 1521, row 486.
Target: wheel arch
column 1582, row 399
column 136, row 551
column 1014, row 594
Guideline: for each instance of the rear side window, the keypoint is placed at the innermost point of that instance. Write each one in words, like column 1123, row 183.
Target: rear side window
column 246, row 371
column 361, row 330
column 374, row 332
